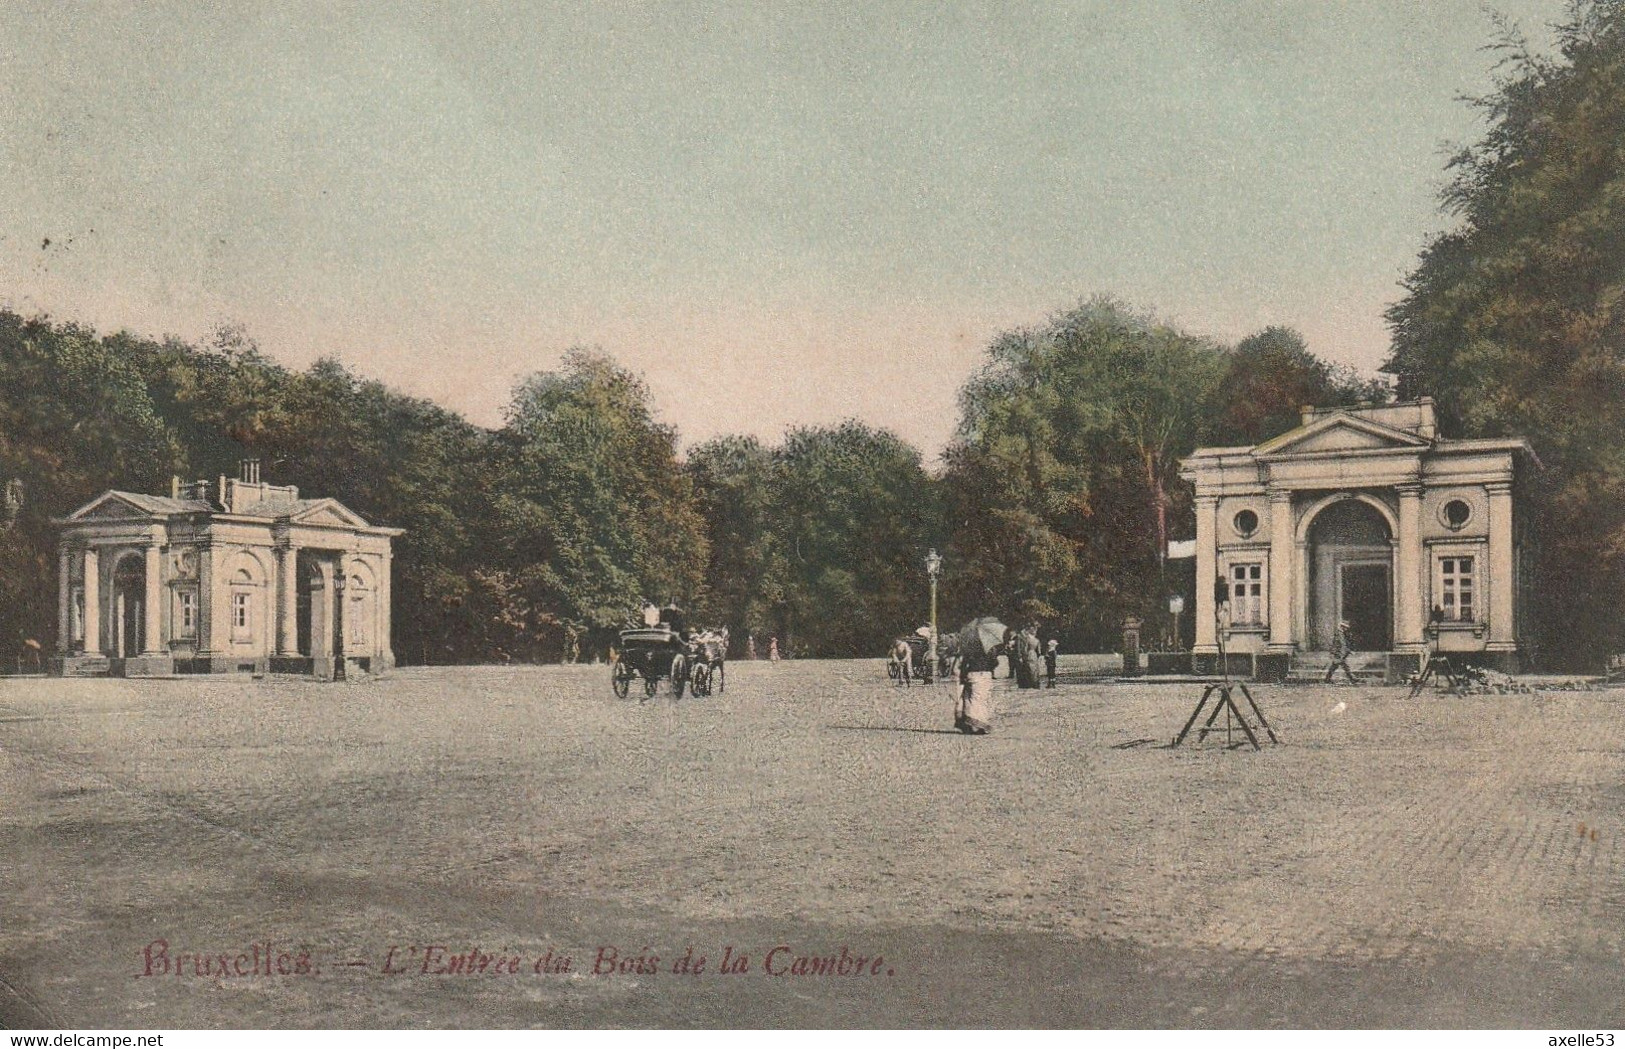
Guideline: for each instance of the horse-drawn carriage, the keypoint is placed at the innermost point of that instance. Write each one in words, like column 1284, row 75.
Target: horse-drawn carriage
column 663, row 653
column 912, row 652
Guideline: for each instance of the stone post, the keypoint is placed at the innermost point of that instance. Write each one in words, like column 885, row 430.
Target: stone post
column 1131, row 646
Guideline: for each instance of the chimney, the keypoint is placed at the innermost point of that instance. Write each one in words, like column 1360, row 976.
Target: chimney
column 249, row 471
column 174, row 486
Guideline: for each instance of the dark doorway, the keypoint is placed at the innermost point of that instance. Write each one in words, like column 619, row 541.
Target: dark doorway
column 1365, row 600
column 129, row 607
column 1350, row 534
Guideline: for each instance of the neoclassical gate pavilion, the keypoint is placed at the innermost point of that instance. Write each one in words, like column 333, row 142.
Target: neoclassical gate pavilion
column 239, row 576
column 1365, row 515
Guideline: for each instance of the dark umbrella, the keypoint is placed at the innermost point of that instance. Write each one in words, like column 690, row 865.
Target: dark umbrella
column 982, row 636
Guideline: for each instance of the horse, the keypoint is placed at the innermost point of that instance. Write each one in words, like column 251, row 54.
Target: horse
column 710, row 662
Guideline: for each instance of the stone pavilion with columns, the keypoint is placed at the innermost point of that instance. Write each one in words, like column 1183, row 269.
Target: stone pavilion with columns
column 227, row 577
column 1365, row 515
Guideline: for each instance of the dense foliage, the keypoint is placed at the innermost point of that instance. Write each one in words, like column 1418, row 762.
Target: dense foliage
column 537, row 540
column 1062, row 487
column 1514, row 320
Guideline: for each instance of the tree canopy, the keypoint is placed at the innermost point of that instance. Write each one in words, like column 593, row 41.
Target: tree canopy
column 1514, row 320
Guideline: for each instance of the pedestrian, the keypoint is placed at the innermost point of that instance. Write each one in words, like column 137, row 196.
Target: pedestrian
column 1032, row 654
column 973, row 714
column 773, row 649
column 1050, row 654
column 902, row 658
column 750, row 646
column 1342, row 646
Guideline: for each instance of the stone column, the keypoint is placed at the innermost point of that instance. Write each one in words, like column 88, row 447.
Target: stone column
column 287, row 600
column 64, row 599
column 152, row 644
column 321, row 615
column 1410, row 615
column 1282, row 549
column 1207, row 559
column 1500, row 576
column 93, row 603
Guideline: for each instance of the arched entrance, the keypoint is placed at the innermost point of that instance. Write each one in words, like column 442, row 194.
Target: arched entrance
column 127, row 625
column 1350, row 568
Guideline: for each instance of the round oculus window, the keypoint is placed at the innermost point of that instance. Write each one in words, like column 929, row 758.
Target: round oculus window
column 1246, row 523
column 1456, row 513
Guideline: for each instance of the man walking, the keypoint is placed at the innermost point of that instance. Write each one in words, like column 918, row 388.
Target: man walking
column 1050, row 653
column 1341, row 647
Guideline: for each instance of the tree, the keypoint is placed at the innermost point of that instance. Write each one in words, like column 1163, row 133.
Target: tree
column 1063, row 476
column 1514, row 320
column 75, row 420
column 1268, row 378
column 855, row 512
column 594, row 512
column 733, row 484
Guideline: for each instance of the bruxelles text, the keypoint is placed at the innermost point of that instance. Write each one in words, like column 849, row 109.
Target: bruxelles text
column 266, row 960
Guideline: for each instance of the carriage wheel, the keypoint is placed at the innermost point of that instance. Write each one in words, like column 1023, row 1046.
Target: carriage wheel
column 649, row 686
column 679, row 676
column 701, row 685
column 621, row 679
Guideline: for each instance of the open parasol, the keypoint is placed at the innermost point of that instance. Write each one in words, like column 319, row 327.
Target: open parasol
column 982, row 636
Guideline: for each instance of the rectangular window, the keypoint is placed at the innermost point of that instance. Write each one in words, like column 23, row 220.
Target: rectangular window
column 1457, row 590
column 240, row 622
column 187, row 612
column 1247, row 594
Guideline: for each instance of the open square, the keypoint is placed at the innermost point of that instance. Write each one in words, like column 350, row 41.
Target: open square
column 1447, row 861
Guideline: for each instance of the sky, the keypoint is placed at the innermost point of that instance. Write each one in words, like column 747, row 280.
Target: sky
column 778, row 214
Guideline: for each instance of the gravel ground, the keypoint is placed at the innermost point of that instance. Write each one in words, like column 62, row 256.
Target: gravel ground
column 1451, row 861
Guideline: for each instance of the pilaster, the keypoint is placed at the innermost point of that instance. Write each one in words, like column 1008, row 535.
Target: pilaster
column 1281, row 580
column 1500, row 579
column 1411, row 600
column 1207, row 573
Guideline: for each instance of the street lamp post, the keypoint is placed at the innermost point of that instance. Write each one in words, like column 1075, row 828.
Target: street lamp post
column 338, row 624
column 933, row 565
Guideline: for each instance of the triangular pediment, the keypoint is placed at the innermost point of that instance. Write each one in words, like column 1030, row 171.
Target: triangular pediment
column 329, row 512
column 1341, row 433
column 111, row 506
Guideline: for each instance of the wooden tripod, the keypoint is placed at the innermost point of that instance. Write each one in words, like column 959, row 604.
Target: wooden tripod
column 1225, row 690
